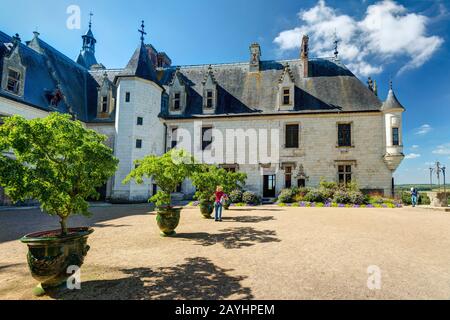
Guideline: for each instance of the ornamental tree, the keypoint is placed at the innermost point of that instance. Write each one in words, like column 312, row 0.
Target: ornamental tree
column 55, row 161
column 208, row 177
column 167, row 172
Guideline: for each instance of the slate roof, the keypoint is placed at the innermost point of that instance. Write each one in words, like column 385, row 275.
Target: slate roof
column 330, row 87
column 140, row 65
column 392, row 102
column 47, row 69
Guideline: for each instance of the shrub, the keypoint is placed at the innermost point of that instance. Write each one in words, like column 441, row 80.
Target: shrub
column 299, row 194
column 236, row 196
column 424, row 199
column 356, row 197
column 314, row 195
column 286, row 196
column 282, row 204
column 250, row 198
column 341, row 196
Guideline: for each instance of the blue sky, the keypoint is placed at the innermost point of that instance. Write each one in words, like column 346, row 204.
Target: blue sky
column 403, row 40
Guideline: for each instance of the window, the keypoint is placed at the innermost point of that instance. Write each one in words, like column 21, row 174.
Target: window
column 127, row 97
column 206, row 137
column 140, row 121
column 301, row 183
column 286, row 97
column 292, row 133
column 104, row 104
column 139, row 144
column 288, row 177
column 344, row 135
column 177, row 101
column 395, row 137
column 174, row 141
column 209, row 99
column 345, row 174
column 179, row 189
column 13, row 83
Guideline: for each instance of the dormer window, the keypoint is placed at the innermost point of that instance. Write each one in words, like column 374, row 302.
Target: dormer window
column 286, row 89
column 14, row 71
column 286, row 96
column 13, row 82
column 177, row 101
column 178, row 94
column 104, row 104
column 209, row 92
column 209, row 99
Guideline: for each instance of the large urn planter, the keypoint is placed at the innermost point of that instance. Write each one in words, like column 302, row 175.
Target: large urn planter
column 206, row 208
column 50, row 255
column 438, row 199
column 168, row 219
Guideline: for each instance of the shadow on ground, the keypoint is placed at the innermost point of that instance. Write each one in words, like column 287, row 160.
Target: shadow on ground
column 232, row 238
column 197, row 279
column 17, row 223
column 248, row 219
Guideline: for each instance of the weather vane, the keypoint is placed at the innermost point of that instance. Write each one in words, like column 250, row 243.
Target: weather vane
column 90, row 19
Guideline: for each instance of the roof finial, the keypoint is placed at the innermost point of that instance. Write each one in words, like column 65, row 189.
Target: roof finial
column 90, row 19
column 390, row 84
column 142, row 31
column 336, row 42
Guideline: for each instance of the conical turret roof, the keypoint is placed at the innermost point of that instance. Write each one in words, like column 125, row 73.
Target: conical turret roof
column 392, row 102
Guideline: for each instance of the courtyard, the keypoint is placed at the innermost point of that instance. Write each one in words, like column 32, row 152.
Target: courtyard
column 265, row 252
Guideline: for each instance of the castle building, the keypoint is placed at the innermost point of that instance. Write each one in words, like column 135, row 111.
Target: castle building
column 330, row 125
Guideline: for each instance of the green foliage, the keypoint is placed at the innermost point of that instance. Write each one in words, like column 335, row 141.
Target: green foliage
column 208, row 177
column 423, row 198
column 286, row 196
column 236, row 196
column 342, row 196
column 251, row 198
column 314, row 195
column 57, row 162
column 357, row 197
column 167, row 171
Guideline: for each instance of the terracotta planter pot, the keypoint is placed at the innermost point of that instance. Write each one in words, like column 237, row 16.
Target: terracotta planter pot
column 206, row 208
column 50, row 255
column 168, row 220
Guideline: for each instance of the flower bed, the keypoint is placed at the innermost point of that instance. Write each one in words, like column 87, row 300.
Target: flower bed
column 307, row 204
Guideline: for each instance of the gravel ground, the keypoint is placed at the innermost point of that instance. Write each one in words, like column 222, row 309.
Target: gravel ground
column 255, row 253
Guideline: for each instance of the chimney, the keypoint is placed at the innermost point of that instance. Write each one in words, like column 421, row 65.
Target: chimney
column 304, row 55
column 255, row 56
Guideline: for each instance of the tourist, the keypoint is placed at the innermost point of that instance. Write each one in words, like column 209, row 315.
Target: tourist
column 218, row 204
column 414, row 195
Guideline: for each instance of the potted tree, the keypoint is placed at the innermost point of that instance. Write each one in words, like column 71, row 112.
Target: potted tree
column 232, row 181
column 205, row 180
column 167, row 172
column 59, row 163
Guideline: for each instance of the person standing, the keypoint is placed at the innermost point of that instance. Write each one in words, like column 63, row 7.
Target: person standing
column 414, row 196
column 218, row 203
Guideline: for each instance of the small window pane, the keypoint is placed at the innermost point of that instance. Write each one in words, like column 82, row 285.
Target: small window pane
column 138, row 143
column 292, row 133
column 140, row 121
column 395, row 137
column 344, row 135
column 127, row 97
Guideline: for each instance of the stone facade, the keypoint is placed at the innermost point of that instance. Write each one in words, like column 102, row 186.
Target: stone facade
column 141, row 108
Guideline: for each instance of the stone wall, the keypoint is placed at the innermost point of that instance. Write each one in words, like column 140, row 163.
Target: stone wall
column 318, row 152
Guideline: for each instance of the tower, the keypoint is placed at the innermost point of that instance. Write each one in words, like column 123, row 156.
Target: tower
column 86, row 58
column 392, row 111
column 139, row 131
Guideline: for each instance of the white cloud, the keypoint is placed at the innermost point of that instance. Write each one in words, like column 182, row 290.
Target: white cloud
column 387, row 31
column 442, row 149
column 424, row 129
column 412, row 156
column 415, row 146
